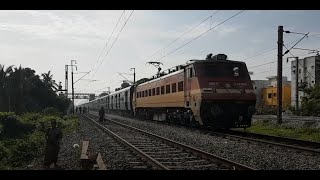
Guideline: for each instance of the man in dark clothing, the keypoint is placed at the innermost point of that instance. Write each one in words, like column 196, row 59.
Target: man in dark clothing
column 80, row 109
column 76, row 109
column 101, row 114
column 53, row 137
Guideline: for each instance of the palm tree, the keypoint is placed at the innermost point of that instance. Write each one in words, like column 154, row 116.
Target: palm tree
column 47, row 79
column 4, row 74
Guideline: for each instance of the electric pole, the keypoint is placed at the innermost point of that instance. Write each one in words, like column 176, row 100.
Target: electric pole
column 72, row 83
column 134, row 75
column 66, row 81
column 279, row 84
column 134, row 87
column 297, row 87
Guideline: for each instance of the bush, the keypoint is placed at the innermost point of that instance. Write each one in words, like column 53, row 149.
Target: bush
column 16, row 152
column 266, row 110
column 51, row 111
column 11, row 126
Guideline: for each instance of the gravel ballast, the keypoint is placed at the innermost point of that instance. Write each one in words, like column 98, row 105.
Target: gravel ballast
column 259, row 156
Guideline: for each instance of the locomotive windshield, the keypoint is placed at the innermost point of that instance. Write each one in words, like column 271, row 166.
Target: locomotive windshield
column 235, row 70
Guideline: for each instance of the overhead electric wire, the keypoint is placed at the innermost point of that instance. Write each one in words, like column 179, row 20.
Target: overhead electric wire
column 184, row 34
column 201, row 34
column 113, row 43
column 106, row 43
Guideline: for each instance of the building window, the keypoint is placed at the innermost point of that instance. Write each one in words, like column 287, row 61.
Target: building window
column 162, row 89
column 153, row 91
column 150, row 92
column 142, row 93
column 174, row 88
column 158, row 90
column 180, row 86
column 312, row 81
column 137, row 95
column 269, row 95
column 274, row 94
column 312, row 67
column 146, row 92
column 168, row 89
column 299, row 71
column 294, row 71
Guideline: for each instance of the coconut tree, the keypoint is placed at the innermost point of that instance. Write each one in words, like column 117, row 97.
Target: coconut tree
column 47, row 79
column 4, row 74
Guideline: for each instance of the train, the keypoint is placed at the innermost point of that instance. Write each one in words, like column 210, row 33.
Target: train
column 213, row 92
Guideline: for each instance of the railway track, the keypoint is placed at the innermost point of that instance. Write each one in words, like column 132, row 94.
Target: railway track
column 293, row 144
column 163, row 153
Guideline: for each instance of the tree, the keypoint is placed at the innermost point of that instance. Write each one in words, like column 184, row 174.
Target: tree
column 24, row 91
column 124, row 84
column 103, row 94
column 310, row 105
column 47, row 79
column 4, row 74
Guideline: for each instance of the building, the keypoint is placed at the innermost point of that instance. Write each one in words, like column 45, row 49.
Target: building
column 308, row 75
column 273, row 81
column 258, row 85
column 269, row 96
column 263, row 87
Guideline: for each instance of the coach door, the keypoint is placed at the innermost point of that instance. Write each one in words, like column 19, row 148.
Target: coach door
column 126, row 100
column 187, row 85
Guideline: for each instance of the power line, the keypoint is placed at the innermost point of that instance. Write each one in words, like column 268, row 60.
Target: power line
column 111, row 35
column 183, row 34
column 298, row 62
column 201, row 35
column 113, row 43
column 262, row 64
column 107, row 42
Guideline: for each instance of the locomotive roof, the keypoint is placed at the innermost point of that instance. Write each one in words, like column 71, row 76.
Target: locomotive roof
column 161, row 77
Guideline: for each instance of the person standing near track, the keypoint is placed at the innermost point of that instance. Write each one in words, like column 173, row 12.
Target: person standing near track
column 53, row 137
column 101, row 114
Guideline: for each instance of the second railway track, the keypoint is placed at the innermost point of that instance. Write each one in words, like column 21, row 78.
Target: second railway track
column 163, row 153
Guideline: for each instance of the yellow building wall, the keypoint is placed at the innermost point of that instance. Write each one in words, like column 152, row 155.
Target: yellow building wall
column 269, row 96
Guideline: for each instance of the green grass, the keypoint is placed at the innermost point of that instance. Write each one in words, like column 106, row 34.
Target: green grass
column 306, row 132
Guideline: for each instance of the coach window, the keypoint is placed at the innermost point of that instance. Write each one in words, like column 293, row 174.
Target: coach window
column 158, row 90
column 162, row 89
column 150, row 92
column 142, row 93
column 174, row 87
column 153, row 91
column 180, row 86
column 146, row 92
column 168, row 89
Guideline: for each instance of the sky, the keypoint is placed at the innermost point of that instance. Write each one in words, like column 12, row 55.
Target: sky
column 49, row 40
